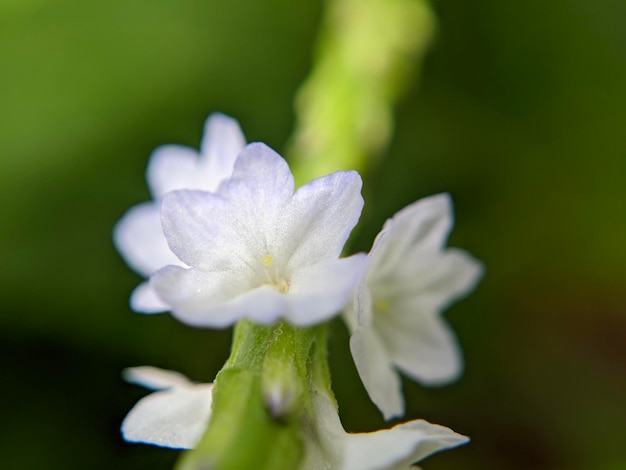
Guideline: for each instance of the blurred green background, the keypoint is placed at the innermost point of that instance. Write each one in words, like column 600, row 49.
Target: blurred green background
column 520, row 114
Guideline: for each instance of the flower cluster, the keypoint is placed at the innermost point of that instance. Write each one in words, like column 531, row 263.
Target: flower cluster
column 228, row 237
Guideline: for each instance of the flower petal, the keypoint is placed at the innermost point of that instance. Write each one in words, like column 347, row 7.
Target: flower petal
column 171, row 418
column 397, row 447
column 451, row 276
column 221, row 143
column 320, row 218
column 261, row 182
column 155, row 378
column 198, row 297
column 263, row 305
column 421, row 345
column 216, row 299
column 327, row 445
column 420, row 228
column 172, row 167
column 321, row 291
column 144, row 299
column 139, row 237
column 379, row 377
column 202, row 230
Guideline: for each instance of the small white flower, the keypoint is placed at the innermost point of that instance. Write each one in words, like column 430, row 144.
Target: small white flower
column 258, row 250
column 396, row 319
column 329, row 446
column 178, row 416
column 174, row 416
column 138, row 235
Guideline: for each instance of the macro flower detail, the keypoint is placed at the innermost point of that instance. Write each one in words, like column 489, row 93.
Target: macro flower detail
column 138, row 235
column 176, row 415
column 395, row 318
column 258, row 250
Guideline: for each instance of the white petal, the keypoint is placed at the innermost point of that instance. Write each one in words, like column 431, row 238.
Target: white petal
column 421, row 344
column 350, row 314
column 421, row 228
column 321, row 291
column 199, row 298
column 397, row 447
column 320, row 218
column 379, row 377
column 261, row 180
column 171, row 418
column 323, row 435
column 204, row 231
column 155, row 378
column 172, row 167
column 139, row 237
column 144, row 299
column 362, row 312
column 263, row 305
column 328, row 446
column 221, row 143
column 217, row 299
column 451, row 276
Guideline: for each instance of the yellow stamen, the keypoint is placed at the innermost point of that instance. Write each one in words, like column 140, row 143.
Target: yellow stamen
column 267, row 260
column 381, row 305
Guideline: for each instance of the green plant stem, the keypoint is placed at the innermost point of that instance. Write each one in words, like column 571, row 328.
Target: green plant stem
column 259, row 399
column 368, row 51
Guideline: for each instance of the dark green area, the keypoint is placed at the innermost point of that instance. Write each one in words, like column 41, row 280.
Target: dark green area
column 520, row 114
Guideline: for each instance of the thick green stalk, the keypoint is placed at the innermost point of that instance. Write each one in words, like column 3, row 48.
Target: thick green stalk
column 259, row 398
column 367, row 52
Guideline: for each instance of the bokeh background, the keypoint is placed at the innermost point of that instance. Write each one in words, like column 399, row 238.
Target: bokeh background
column 519, row 113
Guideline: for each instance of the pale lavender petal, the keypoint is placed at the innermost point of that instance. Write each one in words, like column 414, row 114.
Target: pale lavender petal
column 196, row 296
column 263, row 305
column 261, row 182
column 172, row 167
column 144, row 299
column 204, row 231
column 139, row 238
column 221, row 143
column 320, row 218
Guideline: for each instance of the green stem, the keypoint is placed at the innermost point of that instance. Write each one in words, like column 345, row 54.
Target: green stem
column 368, row 50
column 259, row 399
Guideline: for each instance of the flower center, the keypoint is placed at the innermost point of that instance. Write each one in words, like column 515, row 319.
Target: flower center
column 273, row 277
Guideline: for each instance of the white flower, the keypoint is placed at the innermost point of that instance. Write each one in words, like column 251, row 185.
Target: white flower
column 138, row 235
column 258, row 250
column 175, row 416
column 328, row 446
column 395, row 318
